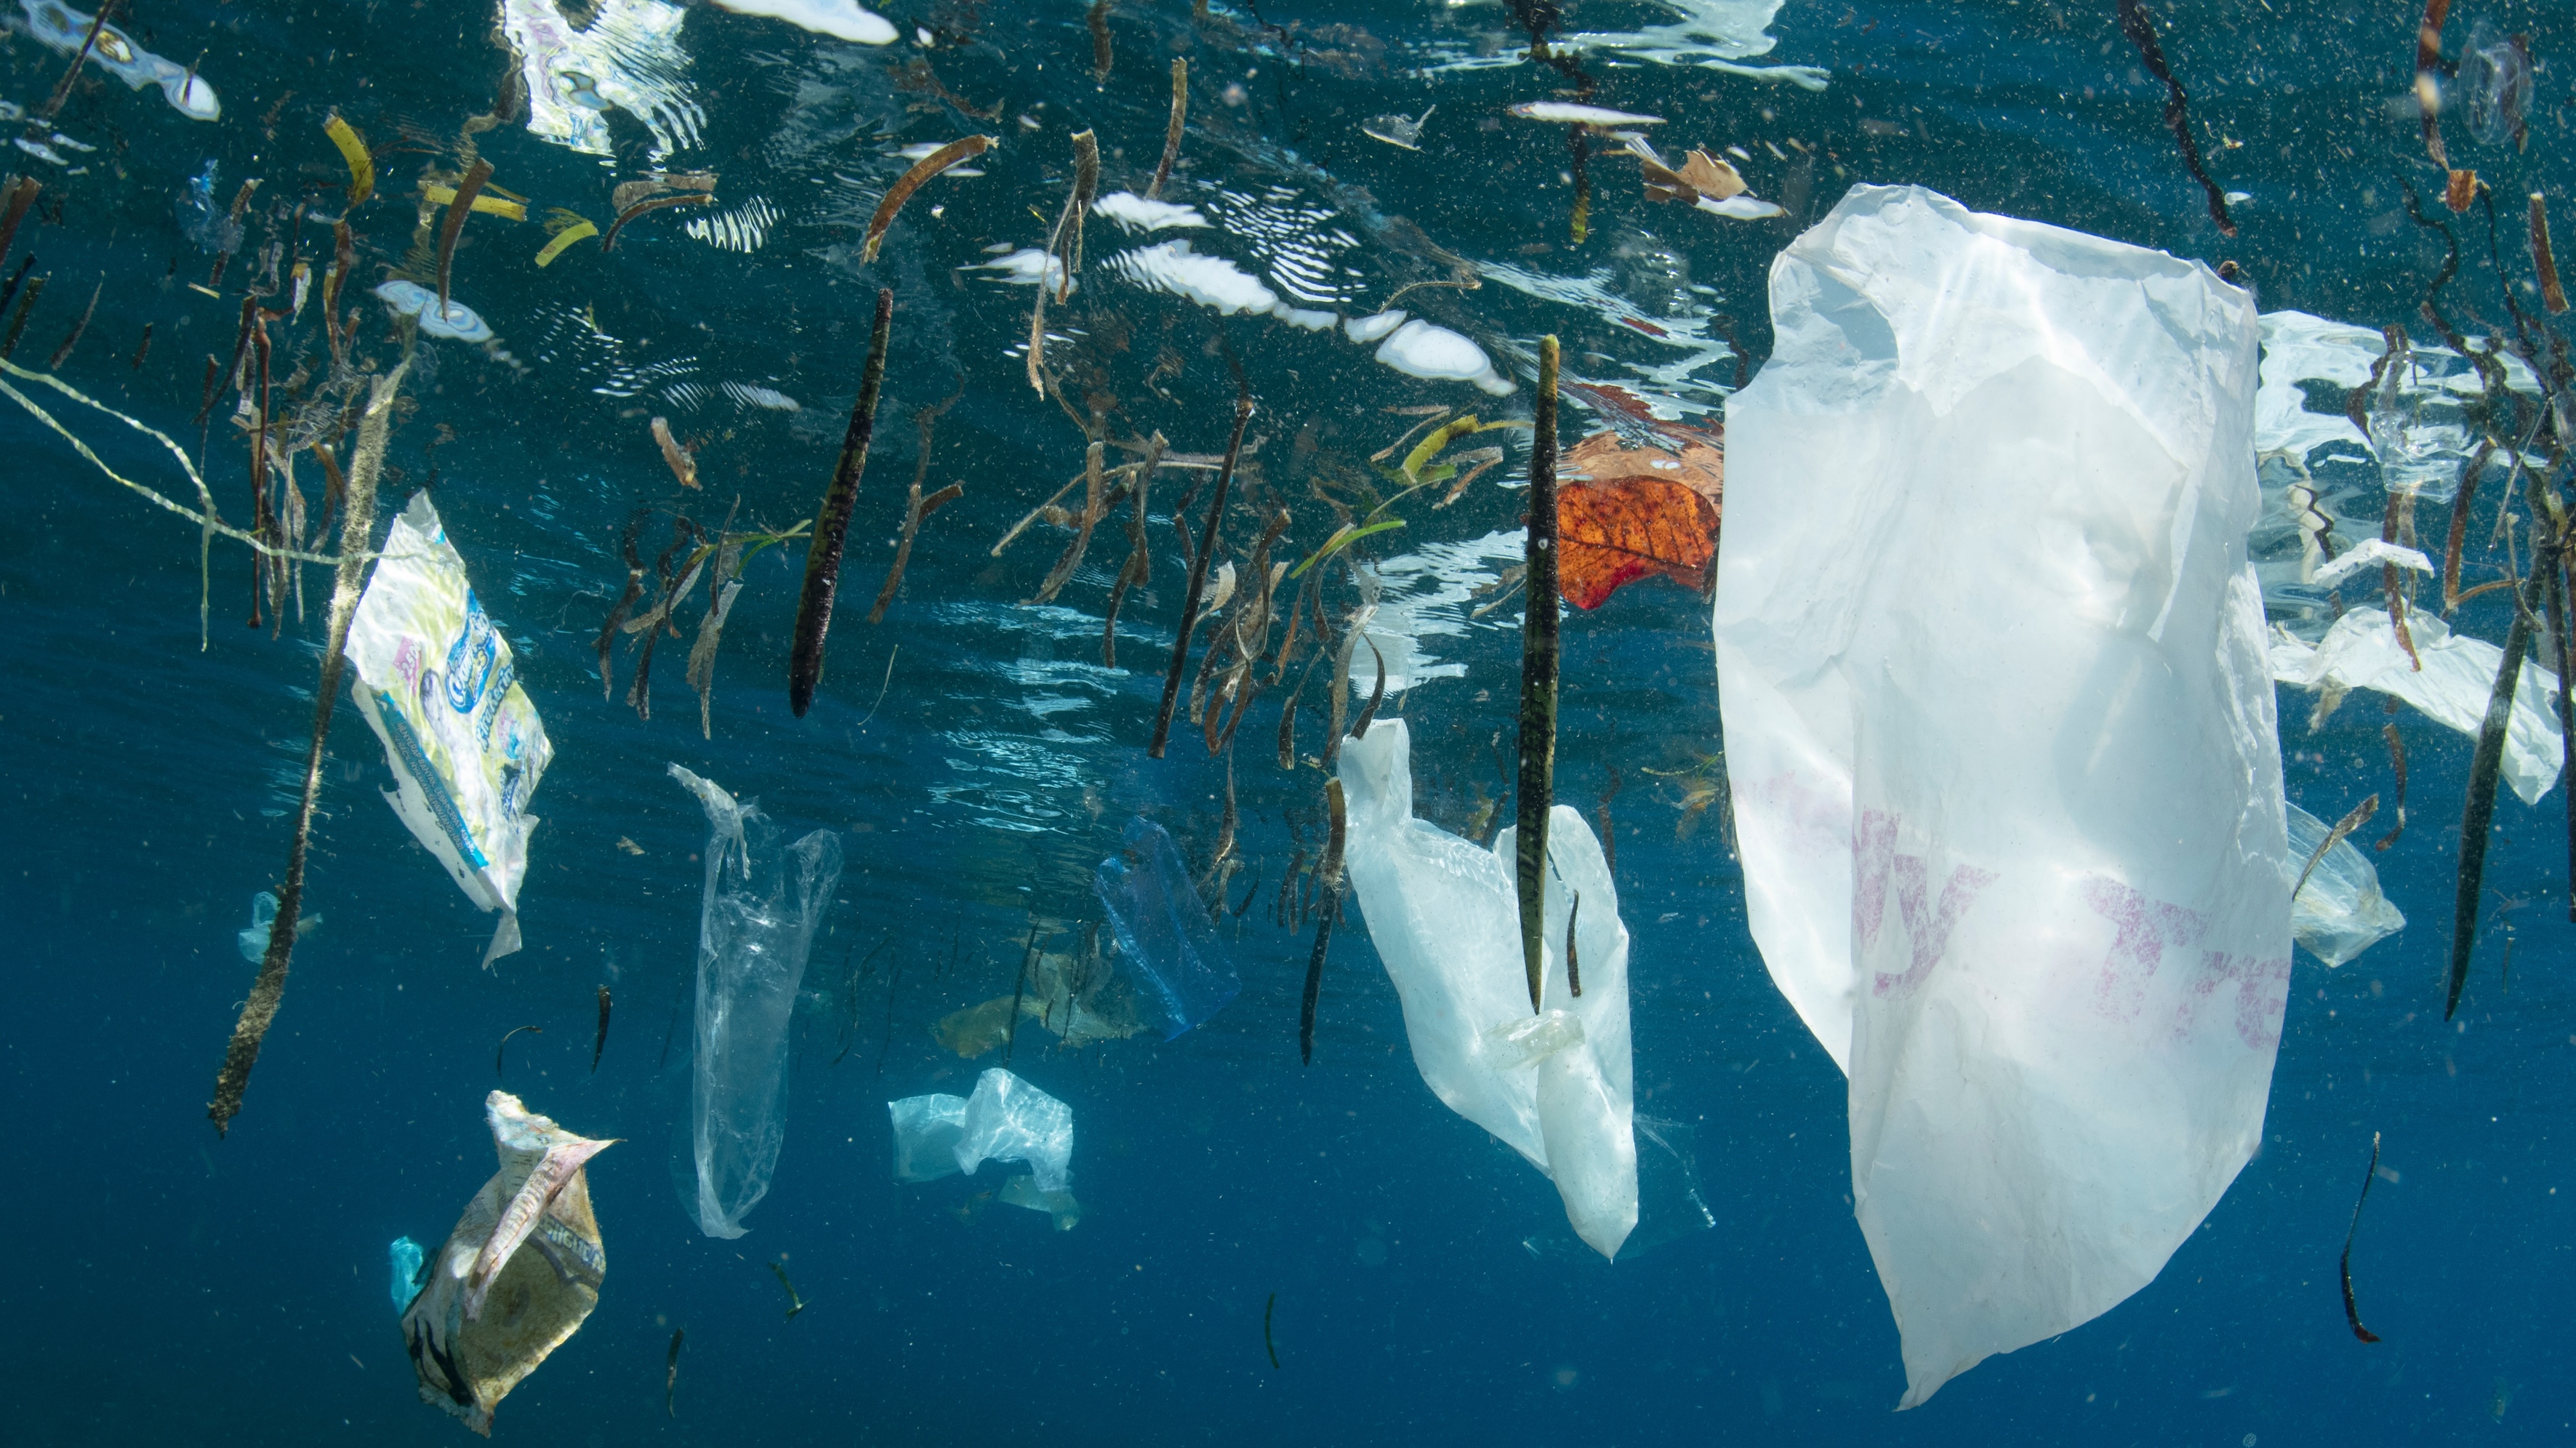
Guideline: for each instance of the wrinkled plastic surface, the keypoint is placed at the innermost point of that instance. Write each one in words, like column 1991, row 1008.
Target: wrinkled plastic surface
column 754, row 929
column 2000, row 736
column 1669, row 1204
column 1445, row 918
column 518, row 1275
column 2339, row 913
column 2452, row 688
column 1184, row 974
column 1007, row 1119
column 437, row 684
column 404, row 1258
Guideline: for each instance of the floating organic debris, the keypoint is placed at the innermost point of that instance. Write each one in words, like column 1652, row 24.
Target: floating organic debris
column 651, row 203
column 2359, row 816
column 1569, row 113
column 832, row 520
column 839, row 19
column 63, row 353
column 1062, row 264
column 1398, row 130
column 1267, row 1344
column 353, row 149
column 1328, row 884
column 795, row 1303
column 1098, row 20
column 84, row 36
column 459, row 206
column 499, row 1050
column 911, row 181
column 2352, row 1312
column 2397, row 764
column 2543, row 261
column 1702, row 181
column 682, row 463
column 1172, row 132
column 1197, row 593
column 2140, row 28
column 1537, row 779
column 599, row 1043
column 567, row 227
column 2477, row 809
column 916, row 508
column 671, row 1375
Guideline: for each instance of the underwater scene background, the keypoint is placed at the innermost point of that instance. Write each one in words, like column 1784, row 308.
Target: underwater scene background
column 979, row 760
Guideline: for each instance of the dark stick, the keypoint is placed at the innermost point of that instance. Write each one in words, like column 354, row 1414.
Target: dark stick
column 832, row 520
column 1537, row 784
column 671, row 1375
column 9, row 292
column 453, row 225
column 1328, row 877
column 2477, row 812
column 1172, row 136
column 63, row 353
column 22, row 194
column 1573, row 964
column 2351, row 1312
column 505, row 1045
column 1267, row 1309
column 656, row 203
column 1198, row 580
column 2141, row 31
column 600, row 1042
column 18, row 318
column 143, row 349
column 1377, row 695
column 2397, row 762
column 1019, row 992
column 63, row 87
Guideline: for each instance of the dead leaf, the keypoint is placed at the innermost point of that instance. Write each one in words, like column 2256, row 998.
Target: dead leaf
column 1640, row 525
column 1711, row 177
column 1700, row 464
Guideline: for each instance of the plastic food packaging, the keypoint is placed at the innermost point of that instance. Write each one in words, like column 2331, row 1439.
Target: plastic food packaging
column 755, row 928
column 1445, row 917
column 2002, row 751
column 1165, row 931
column 437, row 684
column 491, row 1311
column 2458, row 678
column 1007, row 1119
column 2339, row 913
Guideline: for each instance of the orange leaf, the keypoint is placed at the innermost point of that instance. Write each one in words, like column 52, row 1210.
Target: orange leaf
column 1699, row 465
column 1638, row 526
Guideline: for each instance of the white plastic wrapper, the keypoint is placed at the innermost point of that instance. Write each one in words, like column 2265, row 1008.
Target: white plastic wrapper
column 1007, row 1119
column 1445, row 917
column 2457, row 679
column 436, row 683
column 2000, row 735
column 2340, row 912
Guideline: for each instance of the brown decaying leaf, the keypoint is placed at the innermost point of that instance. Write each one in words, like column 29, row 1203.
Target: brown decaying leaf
column 683, row 465
column 1638, row 512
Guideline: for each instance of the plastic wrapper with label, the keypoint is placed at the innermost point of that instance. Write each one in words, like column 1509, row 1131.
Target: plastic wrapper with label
column 1444, row 914
column 1007, row 1119
column 436, row 682
column 517, row 1277
column 2000, row 737
column 2340, row 912
column 755, row 929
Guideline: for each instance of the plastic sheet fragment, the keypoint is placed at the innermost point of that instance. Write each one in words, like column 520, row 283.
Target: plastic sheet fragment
column 1170, row 943
column 1007, row 1119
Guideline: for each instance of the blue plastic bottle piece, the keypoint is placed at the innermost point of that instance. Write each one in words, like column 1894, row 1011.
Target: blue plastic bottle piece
column 406, row 1260
column 1182, row 977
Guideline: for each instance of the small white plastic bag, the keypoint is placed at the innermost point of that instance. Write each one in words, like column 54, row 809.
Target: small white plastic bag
column 2000, row 735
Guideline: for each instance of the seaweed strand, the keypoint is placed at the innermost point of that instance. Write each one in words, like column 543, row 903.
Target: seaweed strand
column 2140, row 28
column 1538, row 680
column 832, row 520
column 1328, row 877
column 1243, row 409
column 2477, row 811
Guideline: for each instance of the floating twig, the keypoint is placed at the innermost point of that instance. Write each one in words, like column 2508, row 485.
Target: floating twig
column 1573, row 962
column 2396, row 762
column 1098, row 19
column 1272, row 1347
column 599, row 1042
column 678, row 459
column 2543, row 260
column 53, row 105
column 916, row 509
column 63, row 353
column 2351, row 1312
column 1172, row 133
column 795, row 1303
column 357, row 525
column 625, row 601
column 18, row 318
column 913, row 179
column 832, row 519
column 2140, row 28
column 454, row 225
column 1139, row 567
column 569, row 228
column 2359, row 816
column 671, row 1375
column 1094, row 508
column 653, row 203
column 143, row 349
column 1537, row 783
column 22, row 194
column 1190, row 601
column 505, row 1045
column 1328, row 883
column 1377, row 695
column 2460, row 526
column 2477, row 810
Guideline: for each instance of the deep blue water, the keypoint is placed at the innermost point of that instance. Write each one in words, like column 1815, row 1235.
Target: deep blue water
column 169, row 1286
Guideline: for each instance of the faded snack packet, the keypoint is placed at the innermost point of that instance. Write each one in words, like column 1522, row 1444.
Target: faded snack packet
column 490, row 1312
column 436, row 683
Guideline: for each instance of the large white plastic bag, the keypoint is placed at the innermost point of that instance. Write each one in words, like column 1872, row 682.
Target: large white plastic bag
column 1987, row 643
column 1445, row 918
column 437, row 684
column 755, row 927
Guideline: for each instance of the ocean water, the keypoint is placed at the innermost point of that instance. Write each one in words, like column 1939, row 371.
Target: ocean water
column 1415, row 1280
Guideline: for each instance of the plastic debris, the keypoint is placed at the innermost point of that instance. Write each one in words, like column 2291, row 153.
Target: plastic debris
column 1669, row 1204
column 405, row 1258
column 840, row 19
column 1081, row 998
column 2020, row 864
column 1165, row 931
column 64, row 29
column 492, row 1312
column 456, row 320
column 437, row 684
column 1007, row 1119
column 628, row 56
column 755, row 928
column 2361, row 651
column 205, row 218
column 263, row 912
column 1556, row 1086
column 2339, row 913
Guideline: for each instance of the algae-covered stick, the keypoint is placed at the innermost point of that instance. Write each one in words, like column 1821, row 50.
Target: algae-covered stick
column 2477, row 812
column 1243, row 409
column 911, row 181
column 916, row 509
column 357, row 527
column 454, row 224
column 832, row 520
column 1172, row 135
column 795, row 1303
column 1538, row 679
column 1100, row 49
column 2351, row 1312
column 1328, row 876
column 671, row 1374
column 599, row 1042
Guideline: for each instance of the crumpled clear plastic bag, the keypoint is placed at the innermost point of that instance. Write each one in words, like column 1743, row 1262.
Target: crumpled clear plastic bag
column 2000, row 736
column 253, row 942
column 1444, row 915
column 2339, row 913
column 1165, row 931
column 491, row 1312
column 1007, row 1119
column 755, row 928
column 2452, row 688
column 404, row 1259
column 437, row 684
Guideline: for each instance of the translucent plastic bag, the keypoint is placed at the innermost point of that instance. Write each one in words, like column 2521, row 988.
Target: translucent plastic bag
column 1445, row 917
column 2339, row 913
column 1165, row 930
column 754, row 930
column 2000, row 735
column 2452, row 687
column 1007, row 1119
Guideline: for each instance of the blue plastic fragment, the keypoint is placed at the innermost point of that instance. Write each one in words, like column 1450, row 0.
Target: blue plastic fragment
column 406, row 1261
column 1165, row 930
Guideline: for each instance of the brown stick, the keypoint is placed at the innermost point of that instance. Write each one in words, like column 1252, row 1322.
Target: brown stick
column 63, row 88
column 1172, row 136
column 832, row 520
column 916, row 509
column 1198, row 579
column 2543, row 261
column 63, row 353
column 656, row 203
column 913, row 180
column 454, row 225
column 22, row 194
